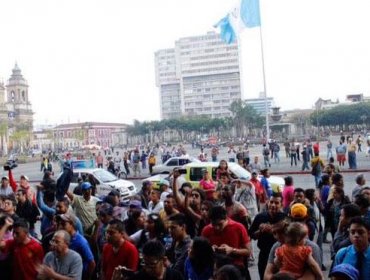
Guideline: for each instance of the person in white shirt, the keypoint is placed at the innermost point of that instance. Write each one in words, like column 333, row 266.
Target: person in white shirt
column 155, row 205
column 5, row 188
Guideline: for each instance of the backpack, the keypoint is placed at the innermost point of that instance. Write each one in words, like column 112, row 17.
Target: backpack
column 266, row 151
column 316, row 169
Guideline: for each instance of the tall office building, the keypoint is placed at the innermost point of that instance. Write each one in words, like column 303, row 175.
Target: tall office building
column 200, row 76
column 259, row 104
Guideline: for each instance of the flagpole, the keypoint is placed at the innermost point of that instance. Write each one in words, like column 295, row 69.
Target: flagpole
column 264, row 88
column 240, row 60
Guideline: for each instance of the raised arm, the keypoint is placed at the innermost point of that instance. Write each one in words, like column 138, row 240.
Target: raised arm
column 46, row 210
column 12, row 181
column 175, row 188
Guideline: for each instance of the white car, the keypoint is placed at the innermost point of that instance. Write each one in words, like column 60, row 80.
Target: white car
column 105, row 182
column 171, row 163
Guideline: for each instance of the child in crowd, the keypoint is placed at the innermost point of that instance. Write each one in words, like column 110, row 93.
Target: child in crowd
column 292, row 256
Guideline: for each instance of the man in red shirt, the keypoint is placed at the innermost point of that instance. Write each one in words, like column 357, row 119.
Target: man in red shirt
column 228, row 237
column 260, row 190
column 118, row 251
column 316, row 148
column 26, row 253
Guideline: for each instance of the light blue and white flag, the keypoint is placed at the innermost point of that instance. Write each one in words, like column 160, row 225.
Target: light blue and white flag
column 246, row 14
column 227, row 32
column 250, row 13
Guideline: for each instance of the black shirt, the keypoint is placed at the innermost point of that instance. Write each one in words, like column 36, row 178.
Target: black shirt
column 265, row 240
column 170, row 274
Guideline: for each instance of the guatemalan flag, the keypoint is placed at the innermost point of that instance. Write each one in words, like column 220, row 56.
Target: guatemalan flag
column 246, row 14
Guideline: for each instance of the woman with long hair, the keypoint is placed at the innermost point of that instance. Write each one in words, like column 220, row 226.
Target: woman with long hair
column 135, row 221
column 199, row 263
column 208, row 185
column 222, row 168
column 154, row 229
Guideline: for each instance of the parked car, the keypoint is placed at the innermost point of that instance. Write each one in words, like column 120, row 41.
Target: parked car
column 105, row 182
column 171, row 163
column 193, row 173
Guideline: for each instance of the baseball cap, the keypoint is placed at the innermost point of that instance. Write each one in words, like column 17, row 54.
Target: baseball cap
column 106, row 209
column 85, row 186
column 5, row 178
column 163, row 182
column 298, row 210
column 25, row 177
column 135, row 204
column 114, row 193
column 345, row 269
column 67, row 218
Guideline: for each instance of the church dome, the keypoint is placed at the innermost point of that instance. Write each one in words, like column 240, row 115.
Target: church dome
column 17, row 78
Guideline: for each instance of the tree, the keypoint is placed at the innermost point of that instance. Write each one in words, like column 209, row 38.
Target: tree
column 21, row 139
column 245, row 116
column 342, row 115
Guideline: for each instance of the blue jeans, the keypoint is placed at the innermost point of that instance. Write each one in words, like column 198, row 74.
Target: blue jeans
column 293, row 157
column 352, row 160
column 329, row 154
column 305, row 165
column 266, row 161
column 317, row 179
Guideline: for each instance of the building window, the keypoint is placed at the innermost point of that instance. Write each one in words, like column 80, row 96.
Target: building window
column 23, row 96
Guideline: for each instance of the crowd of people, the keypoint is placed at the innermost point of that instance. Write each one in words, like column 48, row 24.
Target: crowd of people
column 178, row 232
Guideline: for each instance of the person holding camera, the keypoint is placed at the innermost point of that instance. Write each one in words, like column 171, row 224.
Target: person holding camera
column 24, row 183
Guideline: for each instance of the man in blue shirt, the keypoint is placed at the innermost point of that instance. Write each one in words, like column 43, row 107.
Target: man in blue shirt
column 49, row 209
column 357, row 254
column 78, row 243
column 265, row 183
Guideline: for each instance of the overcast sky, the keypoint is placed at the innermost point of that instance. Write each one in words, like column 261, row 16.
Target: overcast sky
column 94, row 60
